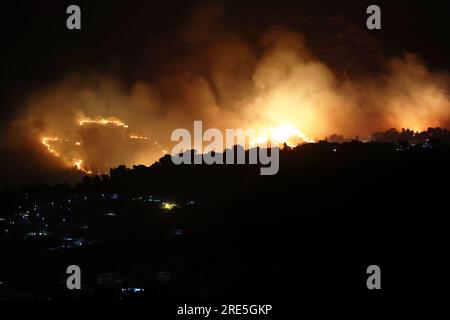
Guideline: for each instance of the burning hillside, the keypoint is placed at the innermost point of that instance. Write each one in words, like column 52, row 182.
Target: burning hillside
column 272, row 79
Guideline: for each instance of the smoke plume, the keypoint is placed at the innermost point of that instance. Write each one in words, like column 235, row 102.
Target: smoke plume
column 228, row 81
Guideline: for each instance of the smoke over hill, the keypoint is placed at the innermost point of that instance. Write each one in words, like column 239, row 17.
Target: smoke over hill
column 228, row 78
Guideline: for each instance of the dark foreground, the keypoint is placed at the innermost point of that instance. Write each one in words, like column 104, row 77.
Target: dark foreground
column 226, row 233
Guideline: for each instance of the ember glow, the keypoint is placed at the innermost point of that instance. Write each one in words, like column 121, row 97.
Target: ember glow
column 70, row 163
column 136, row 137
column 69, row 152
column 279, row 135
column 103, row 122
column 46, row 142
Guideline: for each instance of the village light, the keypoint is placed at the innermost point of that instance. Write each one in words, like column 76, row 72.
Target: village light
column 168, row 205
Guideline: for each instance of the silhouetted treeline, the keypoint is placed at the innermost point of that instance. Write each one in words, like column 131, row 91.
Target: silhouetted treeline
column 332, row 210
column 405, row 136
column 412, row 137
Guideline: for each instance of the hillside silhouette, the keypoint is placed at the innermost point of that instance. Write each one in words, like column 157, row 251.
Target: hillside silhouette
column 225, row 231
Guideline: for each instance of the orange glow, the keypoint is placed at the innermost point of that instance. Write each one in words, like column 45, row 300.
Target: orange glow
column 76, row 163
column 45, row 141
column 103, row 122
column 285, row 133
column 280, row 88
column 137, row 137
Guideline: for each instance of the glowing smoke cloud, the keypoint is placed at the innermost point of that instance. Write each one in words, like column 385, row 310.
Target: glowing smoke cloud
column 276, row 83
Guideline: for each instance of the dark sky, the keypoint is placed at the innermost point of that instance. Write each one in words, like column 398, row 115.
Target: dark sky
column 117, row 36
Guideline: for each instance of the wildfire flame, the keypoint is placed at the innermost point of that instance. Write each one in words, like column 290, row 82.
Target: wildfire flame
column 281, row 134
column 45, row 141
column 137, row 137
column 278, row 135
column 79, row 163
column 76, row 163
column 134, row 137
column 103, row 121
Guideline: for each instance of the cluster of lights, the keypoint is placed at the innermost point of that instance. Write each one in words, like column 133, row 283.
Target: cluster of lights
column 168, row 205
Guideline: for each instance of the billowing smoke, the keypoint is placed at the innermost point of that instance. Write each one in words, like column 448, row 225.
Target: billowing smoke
column 228, row 82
